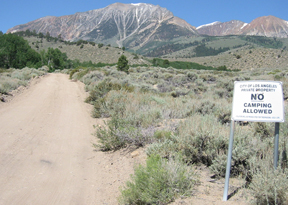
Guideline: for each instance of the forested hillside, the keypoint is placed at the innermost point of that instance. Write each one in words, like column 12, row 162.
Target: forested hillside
column 15, row 52
column 35, row 50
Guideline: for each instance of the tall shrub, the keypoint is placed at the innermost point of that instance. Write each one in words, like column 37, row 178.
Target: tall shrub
column 122, row 64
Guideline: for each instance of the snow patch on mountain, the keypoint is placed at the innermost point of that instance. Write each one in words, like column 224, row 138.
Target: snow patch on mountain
column 138, row 4
column 210, row 24
column 245, row 24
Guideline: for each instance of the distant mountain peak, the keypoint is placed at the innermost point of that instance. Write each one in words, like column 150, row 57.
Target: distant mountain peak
column 221, row 29
column 137, row 4
column 129, row 25
column 269, row 26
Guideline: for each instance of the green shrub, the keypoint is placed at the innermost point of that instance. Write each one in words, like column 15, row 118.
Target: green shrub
column 192, row 76
column 81, row 72
column 92, row 77
column 223, row 113
column 199, row 86
column 267, row 185
column 159, row 182
column 162, row 134
column 75, row 70
column 114, row 103
column 245, row 146
column 109, row 138
column 265, row 130
column 227, row 87
column 119, row 133
column 206, row 107
column 199, row 139
column 167, row 147
column 122, row 64
column 100, row 90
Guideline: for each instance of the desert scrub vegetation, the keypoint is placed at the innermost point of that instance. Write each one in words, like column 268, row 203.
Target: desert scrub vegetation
column 269, row 186
column 185, row 114
column 159, row 182
column 11, row 79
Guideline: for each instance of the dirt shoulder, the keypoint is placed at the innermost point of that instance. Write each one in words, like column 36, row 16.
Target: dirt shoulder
column 46, row 152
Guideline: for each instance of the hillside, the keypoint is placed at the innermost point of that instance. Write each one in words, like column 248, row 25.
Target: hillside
column 246, row 59
column 86, row 52
column 236, row 52
column 239, row 53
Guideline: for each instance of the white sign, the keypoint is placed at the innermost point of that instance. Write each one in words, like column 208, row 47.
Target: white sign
column 258, row 101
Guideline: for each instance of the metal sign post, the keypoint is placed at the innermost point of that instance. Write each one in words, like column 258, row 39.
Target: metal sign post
column 228, row 166
column 255, row 101
column 276, row 144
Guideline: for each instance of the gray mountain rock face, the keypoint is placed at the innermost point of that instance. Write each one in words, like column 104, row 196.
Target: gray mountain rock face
column 118, row 24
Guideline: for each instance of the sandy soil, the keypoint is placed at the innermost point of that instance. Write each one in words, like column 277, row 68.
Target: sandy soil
column 47, row 157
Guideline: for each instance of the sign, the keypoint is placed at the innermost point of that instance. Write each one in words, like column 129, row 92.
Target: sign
column 258, row 101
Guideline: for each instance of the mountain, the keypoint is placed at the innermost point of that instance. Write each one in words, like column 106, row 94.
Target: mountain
column 148, row 29
column 222, row 29
column 269, row 26
column 129, row 25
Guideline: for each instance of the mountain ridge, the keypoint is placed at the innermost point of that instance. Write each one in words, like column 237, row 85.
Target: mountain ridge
column 269, row 26
column 141, row 25
column 117, row 21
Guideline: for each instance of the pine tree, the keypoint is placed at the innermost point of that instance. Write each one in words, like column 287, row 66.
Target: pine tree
column 122, row 64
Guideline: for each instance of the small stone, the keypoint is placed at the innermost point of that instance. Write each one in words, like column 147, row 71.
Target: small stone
column 135, row 154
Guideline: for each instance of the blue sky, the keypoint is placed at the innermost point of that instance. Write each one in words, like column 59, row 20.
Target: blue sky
column 195, row 12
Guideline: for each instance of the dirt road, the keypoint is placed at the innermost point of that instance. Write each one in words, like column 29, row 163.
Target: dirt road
column 46, row 153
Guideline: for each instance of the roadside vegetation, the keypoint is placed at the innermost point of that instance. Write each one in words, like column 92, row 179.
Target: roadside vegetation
column 11, row 79
column 182, row 116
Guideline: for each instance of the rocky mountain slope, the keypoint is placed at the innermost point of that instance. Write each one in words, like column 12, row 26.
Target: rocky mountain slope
column 128, row 25
column 269, row 26
column 154, row 31
column 222, row 29
column 135, row 26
